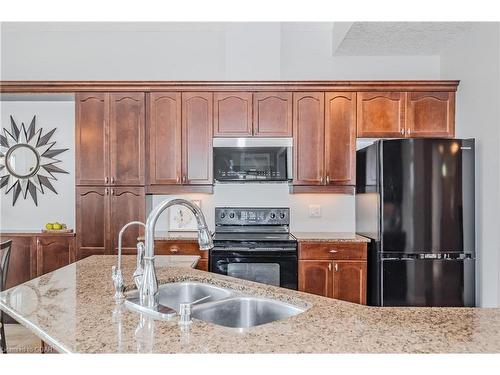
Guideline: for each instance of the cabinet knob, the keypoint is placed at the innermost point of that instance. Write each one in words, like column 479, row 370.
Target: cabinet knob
column 329, row 266
column 174, row 249
column 333, row 251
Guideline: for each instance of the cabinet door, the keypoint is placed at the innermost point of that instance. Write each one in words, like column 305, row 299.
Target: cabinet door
column 91, row 146
column 308, row 138
column 92, row 221
column 431, row 114
column 381, row 114
column 127, row 138
column 315, row 276
column 164, row 134
column 22, row 262
column 54, row 252
column 232, row 114
column 197, row 137
column 202, row 265
column 127, row 204
column 349, row 281
column 340, row 138
column 272, row 114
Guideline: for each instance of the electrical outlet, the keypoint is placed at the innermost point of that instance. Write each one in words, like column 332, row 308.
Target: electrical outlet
column 314, row 210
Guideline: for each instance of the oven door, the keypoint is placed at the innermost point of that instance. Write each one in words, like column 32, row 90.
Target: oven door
column 278, row 268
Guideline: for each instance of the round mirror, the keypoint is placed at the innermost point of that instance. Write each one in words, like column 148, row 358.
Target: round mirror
column 22, row 161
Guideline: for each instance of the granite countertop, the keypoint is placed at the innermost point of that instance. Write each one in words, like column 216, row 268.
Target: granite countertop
column 72, row 309
column 301, row 236
column 329, row 236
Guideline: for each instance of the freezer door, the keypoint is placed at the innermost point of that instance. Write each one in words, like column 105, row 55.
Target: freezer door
column 428, row 282
column 427, row 203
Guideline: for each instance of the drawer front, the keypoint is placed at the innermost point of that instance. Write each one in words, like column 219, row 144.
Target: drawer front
column 332, row 250
column 179, row 248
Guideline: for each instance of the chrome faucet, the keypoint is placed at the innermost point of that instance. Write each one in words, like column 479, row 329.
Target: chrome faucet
column 117, row 275
column 148, row 290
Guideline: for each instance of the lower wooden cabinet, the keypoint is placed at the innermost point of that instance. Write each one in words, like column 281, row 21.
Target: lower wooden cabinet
column 333, row 269
column 185, row 247
column 54, row 252
column 100, row 214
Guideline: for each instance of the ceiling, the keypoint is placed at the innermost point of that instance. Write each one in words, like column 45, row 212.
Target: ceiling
column 397, row 38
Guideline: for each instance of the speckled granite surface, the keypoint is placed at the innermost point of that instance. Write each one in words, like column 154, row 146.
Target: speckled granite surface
column 329, row 236
column 72, row 309
column 174, row 236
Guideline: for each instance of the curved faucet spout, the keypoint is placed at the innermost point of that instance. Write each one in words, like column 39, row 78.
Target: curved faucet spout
column 149, row 286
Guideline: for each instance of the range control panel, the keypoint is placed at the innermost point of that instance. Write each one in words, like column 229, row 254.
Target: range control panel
column 251, row 216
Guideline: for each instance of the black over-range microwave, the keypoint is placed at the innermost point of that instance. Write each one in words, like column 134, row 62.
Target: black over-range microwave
column 252, row 163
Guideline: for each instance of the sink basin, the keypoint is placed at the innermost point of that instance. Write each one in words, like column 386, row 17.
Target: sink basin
column 173, row 294
column 244, row 312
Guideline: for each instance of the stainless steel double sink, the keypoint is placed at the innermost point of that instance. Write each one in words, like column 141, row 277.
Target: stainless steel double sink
column 220, row 306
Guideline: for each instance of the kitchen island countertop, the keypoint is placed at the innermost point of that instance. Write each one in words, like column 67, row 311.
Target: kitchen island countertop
column 72, row 309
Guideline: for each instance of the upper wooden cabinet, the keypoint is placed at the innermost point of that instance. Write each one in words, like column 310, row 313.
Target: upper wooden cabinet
column 412, row 114
column 324, row 138
column 110, row 139
column 381, row 114
column 164, row 134
column 232, row 114
column 272, row 114
column 180, row 138
column 91, row 146
column 340, row 138
column 430, row 114
column 308, row 138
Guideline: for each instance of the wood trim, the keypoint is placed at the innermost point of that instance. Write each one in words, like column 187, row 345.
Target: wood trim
column 150, row 86
column 179, row 189
column 321, row 189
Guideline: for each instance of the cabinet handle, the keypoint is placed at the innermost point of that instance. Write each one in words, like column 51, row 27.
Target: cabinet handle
column 336, row 267
column 112, row 191
column 112, row 180
column 184, row 179
column 106, row 191
column 408, row 131
column 329, row 267
column 178, row 179
column 327, row 179
column 402, row 132
column 174, row 249
column 321, row 179
column 333, row 251
column 106, row 180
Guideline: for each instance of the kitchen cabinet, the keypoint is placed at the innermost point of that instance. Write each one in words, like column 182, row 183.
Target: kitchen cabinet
column 381, row 114
column 412, row 114
column 430, row 114
column 180, row 139
column 100, row 214
column 22, row 262
column 340, row 138
column 232, row 114
column 308, row 138
column 324, row 138
column 184, row 247
column 110, row 134
column 334, row 269
column 54, row 252
column 272, row 114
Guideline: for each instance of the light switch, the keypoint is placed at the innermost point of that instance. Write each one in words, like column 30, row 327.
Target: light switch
column 314, row 210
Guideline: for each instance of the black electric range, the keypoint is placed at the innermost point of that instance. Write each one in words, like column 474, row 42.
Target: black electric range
column 255, row 244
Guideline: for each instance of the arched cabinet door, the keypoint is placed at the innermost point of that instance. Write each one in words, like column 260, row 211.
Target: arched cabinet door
column 127, row 137
column 308, row 138
column 349, row 281
column 315, row 276
column 91, row 146
column 92, row 220
column 340, row 138
column 381, row 114
column 127, row 204
column 431, row 114
column 272, row 114
column 164, row 134
column 232, row 114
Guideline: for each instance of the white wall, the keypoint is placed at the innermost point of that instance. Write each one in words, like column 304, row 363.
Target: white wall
column 51, row 207
column 191, row 51
column 337, row 210
column 475, row 60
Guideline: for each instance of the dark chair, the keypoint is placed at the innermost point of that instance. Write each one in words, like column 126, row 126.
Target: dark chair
column 4, row 266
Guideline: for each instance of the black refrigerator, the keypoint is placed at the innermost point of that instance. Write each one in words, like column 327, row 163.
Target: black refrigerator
column 415, row 200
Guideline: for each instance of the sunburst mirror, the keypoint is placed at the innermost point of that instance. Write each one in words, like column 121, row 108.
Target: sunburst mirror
column 27, row 161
